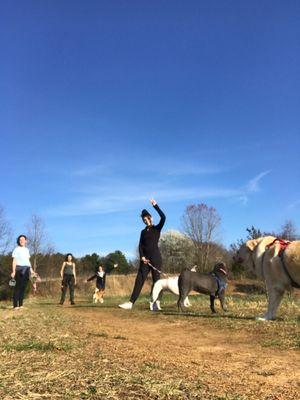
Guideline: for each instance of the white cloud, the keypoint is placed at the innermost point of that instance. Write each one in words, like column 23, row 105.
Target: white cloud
column 117, row 202
column 253, row 184
column 161, row 166
column 91, row 170
column 294, row 205
column 114, row 195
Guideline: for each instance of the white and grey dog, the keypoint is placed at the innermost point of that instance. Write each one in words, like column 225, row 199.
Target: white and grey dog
column 170, row 285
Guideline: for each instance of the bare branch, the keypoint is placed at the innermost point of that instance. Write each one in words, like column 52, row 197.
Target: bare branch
column 200, row 224
column 37, row 236
column 5, row 232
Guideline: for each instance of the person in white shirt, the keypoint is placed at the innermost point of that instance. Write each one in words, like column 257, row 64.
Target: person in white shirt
column 21, row 270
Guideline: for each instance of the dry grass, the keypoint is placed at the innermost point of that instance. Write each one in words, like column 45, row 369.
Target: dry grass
column 116, row 285
column 101, row 352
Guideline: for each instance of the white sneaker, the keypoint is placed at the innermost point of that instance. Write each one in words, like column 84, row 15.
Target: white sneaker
column 126, row 306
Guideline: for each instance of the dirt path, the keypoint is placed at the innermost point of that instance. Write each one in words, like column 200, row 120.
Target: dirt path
column 196, row 350
column 160, row 356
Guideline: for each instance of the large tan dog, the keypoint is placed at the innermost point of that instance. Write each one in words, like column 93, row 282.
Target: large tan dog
column 280, row 274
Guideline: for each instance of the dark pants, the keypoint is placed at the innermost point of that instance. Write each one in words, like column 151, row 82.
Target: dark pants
column 142, row 274
column 100, row 286
column 68, row 281
column 22, row 278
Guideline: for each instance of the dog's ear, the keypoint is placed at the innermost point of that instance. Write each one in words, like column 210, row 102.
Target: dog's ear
column 251, row 244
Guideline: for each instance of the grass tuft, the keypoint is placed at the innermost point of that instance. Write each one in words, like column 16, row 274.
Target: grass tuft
column 38, row 346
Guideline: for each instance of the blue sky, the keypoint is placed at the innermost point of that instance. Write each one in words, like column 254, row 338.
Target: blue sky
column 107, row 103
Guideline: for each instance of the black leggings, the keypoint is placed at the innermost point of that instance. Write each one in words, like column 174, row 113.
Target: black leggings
column 22, row 279
column 68, row 281
column 140, row 280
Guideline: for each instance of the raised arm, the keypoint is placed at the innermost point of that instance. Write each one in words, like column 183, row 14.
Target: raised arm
column 162, row 221
column 108, row 270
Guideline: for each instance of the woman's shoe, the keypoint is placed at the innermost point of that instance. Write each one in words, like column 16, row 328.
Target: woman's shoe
column 126, row 306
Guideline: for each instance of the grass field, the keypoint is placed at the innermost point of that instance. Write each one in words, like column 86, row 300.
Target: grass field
column 102, row 352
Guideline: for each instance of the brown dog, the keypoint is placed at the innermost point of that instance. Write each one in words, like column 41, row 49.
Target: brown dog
column 98, row 296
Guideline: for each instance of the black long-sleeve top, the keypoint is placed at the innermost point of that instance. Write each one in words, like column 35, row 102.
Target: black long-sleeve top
column 100, row 280
column 148, row 246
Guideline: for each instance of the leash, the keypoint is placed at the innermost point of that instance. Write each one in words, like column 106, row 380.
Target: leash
column 156, row 269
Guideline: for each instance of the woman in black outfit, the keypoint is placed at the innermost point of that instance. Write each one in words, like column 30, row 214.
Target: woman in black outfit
column 100, row 277
column 68, row 275
column 149, row 253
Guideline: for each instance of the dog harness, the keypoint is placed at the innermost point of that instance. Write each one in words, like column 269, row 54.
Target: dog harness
column 283, row 245
column 221, row 284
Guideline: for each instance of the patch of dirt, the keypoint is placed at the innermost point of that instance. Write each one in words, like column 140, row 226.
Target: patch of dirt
column 220, row 358
column 118, row 354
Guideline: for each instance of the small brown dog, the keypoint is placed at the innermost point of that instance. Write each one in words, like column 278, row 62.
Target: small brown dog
column 98, row 296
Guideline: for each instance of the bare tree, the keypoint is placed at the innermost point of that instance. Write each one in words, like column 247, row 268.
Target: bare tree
column 37, row 238
column 5, row 232
column 201, row 224
column 289, row 231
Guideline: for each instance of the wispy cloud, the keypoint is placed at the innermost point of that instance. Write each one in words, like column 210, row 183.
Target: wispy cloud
column 112, row 203
column 91, row 170
column 294, row 205
column 113, row 195
column 174, row 167
column 253, row 184
column 161, row 166
column 243, row 199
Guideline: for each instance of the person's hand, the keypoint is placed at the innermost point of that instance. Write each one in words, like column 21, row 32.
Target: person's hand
column 13, row 274
column 153, row 202
column 145, row 260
